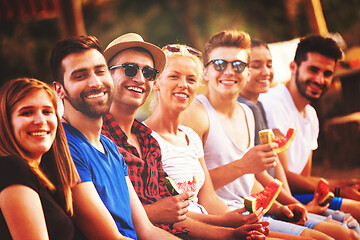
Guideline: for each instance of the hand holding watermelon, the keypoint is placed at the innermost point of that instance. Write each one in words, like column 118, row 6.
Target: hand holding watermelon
column 313, row 205
column 236, row 217
column 258, row 159
column 169, row 210
column 268, row 136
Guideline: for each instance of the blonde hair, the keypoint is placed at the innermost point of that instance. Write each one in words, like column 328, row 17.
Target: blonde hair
column 58, row 172
column 183, row 50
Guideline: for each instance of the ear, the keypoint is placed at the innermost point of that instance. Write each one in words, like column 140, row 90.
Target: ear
column 248, row 74
column 156, row 85
column 205, row 70
column 293, row 66
column 59, row 89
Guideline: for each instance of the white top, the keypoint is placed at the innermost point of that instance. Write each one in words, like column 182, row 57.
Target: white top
column 282, row 113
column 220, row 150
column 182, row 163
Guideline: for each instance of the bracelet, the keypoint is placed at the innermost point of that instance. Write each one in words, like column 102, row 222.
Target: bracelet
column 337, row 192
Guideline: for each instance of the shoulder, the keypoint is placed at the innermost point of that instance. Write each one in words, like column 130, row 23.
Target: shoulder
column 15, row 170
column 196, row 117
column 196, row 111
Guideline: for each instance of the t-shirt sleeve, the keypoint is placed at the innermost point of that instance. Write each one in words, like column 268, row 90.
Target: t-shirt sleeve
column 14, row 170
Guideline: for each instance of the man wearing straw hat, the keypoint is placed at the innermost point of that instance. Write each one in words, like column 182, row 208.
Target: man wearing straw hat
column 134, row 65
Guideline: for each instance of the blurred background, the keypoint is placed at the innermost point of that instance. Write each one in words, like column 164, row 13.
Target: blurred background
column 30, row 28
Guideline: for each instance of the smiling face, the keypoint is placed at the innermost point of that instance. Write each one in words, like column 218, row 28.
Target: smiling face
column 88, row 86
column 131, row 92
column 261, row 72
column 34, row 124
column 226, row 83
column 314, row 75
column 176, row 86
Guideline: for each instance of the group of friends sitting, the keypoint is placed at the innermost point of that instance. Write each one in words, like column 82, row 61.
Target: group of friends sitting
column 96, row 172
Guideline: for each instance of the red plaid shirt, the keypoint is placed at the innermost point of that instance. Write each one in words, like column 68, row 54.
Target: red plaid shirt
column 147, row 174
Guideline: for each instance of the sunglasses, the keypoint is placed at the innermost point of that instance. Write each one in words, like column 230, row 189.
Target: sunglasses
column 131, row 69
column 177, row 48
column 220, row 65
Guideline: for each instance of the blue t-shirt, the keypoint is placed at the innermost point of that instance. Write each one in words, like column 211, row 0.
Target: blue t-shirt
column 107, row 172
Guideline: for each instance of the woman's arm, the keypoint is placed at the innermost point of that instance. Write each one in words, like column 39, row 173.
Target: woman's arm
column 23, row 213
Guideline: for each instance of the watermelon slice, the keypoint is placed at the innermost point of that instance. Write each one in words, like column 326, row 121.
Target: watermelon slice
column 268, row 136
column 325, row 196
column 176, row 188
column 265, row 198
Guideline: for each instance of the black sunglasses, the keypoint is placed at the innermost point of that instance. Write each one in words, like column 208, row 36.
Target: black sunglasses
column 220, row 65
column 131, row 69
column 177, row 48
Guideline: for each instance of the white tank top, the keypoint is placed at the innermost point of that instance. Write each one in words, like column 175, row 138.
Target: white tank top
column 219, row 150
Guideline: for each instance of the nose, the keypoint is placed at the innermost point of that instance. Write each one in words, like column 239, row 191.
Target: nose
column 320, row 79
column 39, row 118
column 182, row 83
column 139, row 77
column 229, row 69
column 266, row 71
column 95, row 81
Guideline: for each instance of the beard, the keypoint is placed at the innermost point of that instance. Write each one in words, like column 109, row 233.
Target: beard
column 302, row 85
column 93, row 110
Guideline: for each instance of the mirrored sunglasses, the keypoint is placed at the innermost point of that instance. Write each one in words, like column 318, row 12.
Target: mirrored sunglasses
column 220, row 65
column 131, row 69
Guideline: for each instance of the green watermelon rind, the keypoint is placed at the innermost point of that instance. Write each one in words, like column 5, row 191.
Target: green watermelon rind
column 250, row 201
column 329, row 197
column 174, row 190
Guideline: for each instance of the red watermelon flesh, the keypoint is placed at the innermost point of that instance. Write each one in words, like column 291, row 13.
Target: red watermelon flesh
column 325, row 196
column 176, row 188
column 268, row 136
column 265, row 198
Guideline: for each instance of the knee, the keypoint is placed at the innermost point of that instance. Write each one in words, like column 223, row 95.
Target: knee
column 315, row 234
column 353, row 235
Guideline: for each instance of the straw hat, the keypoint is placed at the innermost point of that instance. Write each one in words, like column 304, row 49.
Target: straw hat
column 130, row 40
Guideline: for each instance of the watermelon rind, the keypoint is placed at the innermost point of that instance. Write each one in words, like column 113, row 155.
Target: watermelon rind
column 250, row 202
column 327, row 199
column 266, row 136
column 171, row 186
column 174, row 190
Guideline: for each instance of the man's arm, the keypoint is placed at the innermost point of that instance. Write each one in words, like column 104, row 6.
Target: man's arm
column 143, row 226
column 299, row 183
column 169, row 210
column 255, row 160
column 91, row 215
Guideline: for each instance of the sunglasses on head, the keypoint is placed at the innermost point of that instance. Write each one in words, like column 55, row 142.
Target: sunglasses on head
column 220, row 65
column 131, row 69
column 177, row 48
